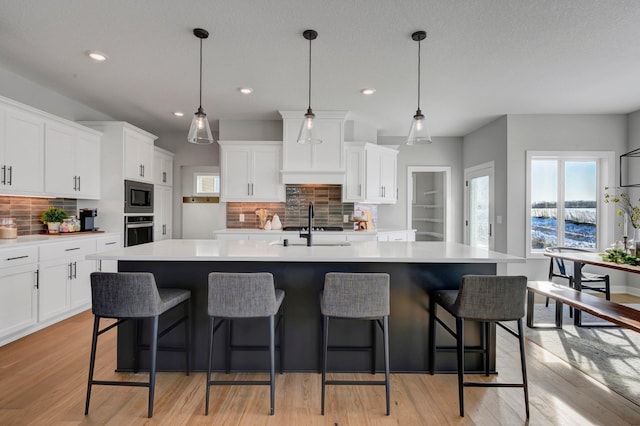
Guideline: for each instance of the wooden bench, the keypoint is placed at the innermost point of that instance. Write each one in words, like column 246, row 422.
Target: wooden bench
column 618, row 314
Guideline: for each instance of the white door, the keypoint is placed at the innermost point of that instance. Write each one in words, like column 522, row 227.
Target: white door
column 479, row 206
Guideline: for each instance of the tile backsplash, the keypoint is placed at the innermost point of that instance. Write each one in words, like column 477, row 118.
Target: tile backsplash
column 327, row 200
column 27, row 211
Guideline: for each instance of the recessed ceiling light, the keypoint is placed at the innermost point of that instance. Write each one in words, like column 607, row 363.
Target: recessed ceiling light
column 97, row 56
column 178, row 114
column 368, row 91
column 246, row 90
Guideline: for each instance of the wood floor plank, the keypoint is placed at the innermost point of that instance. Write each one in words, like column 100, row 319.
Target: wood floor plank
column 43, row 381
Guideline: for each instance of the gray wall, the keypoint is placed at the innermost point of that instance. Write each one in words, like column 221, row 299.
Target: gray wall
column 18, row 88
column 489, row 143
column 551, row 133
column 444, row 151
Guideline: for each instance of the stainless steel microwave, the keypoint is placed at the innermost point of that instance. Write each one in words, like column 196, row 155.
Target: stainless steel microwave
column 138, row 197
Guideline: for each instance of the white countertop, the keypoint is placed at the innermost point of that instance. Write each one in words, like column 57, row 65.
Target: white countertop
column 30, row 240
column 264, row 251
column 280, row 231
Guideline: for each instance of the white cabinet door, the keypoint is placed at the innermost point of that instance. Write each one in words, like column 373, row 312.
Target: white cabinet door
column 251, row 171
column 53, row 290
column 23, row 155
column 265, row 176
column 353, row 188
column 80, row 282
column 60, row 144
column 88, row 166
column 162, row 168
column 72, row 162
column 162, row 212
column 138, row 156
column 374, row 176
column 18, row 299
column 388, row 173
column 235, row 183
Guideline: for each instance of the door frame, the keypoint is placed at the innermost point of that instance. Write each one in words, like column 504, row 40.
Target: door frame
column 469, row 173
column 448, row 232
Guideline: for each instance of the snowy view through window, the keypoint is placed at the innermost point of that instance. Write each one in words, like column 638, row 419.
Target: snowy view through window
column 572, row 221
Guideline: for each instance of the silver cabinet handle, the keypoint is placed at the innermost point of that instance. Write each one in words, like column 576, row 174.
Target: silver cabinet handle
column 252, row 189
column 74, row 183
column 70, row 270
column 4, row 175
column 164, row 177
column 72, row 249
column 359, row 189
column 37, row 284
column 78, row 183
column 140, row 170
column 17, row 257
column 109, row 243
column 75, row 270
column 10, row 175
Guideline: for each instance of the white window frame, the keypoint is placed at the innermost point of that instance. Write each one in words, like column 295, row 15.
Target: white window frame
column 195, row 183
column 605, row 176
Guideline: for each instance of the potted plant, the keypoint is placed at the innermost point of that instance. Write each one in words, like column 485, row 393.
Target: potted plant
column 52, row 217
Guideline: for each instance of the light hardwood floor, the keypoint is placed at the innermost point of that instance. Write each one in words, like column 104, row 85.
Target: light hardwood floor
column 43, row 382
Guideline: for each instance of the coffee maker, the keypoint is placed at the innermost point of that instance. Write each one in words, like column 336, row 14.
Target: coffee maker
column 87, row 219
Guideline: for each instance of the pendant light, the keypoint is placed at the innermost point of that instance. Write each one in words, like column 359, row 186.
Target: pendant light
column 307, row 134
column 418, row 132
column 200, row 132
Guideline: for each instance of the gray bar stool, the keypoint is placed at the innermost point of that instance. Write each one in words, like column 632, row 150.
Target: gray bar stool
column 360, row 296
column 487, row 299
column 134, row 295
column 244, row 295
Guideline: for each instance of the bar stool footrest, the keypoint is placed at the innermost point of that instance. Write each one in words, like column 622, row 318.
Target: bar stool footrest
column 355, row 382
column 240, row 382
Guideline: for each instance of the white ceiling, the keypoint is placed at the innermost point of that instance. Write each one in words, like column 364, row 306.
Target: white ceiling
column 481, row 59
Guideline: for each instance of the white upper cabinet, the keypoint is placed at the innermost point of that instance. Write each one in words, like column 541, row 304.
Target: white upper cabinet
column 138, row 156
column 250, row 171
column 371, row 174
column 162, row 167
column 21, row 151
column 72, row 161
column 322, row 163
column 162, row 212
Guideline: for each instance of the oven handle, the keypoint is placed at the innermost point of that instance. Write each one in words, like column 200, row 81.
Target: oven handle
column 139, row 225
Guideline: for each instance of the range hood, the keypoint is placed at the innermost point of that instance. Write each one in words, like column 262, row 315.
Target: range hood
column 314, row 164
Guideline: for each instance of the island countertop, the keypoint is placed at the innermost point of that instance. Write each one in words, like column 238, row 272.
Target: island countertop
column 264, row 251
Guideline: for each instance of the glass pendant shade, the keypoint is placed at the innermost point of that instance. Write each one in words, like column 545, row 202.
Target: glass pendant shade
column 418, row 132
column 307, row 133
column 200, row 132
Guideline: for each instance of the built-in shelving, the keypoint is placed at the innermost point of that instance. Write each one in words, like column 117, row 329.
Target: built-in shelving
column 428, row 212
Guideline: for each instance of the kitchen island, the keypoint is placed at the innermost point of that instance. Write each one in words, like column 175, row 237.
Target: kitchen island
column 416, row 268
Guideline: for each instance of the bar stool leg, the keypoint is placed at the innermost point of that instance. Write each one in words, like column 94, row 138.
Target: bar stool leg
column 487, row 342
column 272, row 362
column 187, row 335
column 92, row 361
column 152, row 372
column 524, row 366
column 229, row 340
column 210, row 358
column 325, row 339
column 281, row 340
column 432, row 335
column 385, row 332
column 137, row 342
column 373, row 346
column 460, row 350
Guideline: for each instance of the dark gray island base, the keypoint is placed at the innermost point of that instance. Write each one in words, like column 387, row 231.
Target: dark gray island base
column 302, row 282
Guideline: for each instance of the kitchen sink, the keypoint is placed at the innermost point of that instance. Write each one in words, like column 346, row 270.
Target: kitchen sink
column 322, row 243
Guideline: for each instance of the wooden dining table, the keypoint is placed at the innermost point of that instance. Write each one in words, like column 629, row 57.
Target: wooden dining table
column 579, row 260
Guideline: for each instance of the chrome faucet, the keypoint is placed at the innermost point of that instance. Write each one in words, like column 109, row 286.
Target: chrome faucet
column 309, row 226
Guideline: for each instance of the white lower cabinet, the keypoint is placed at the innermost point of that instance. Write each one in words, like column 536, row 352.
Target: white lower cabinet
column 105, row 244
column 162, row 204
column 18, row 298
column 64, row 276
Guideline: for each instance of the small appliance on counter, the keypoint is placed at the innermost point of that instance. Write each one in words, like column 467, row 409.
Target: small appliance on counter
column 8, row 228
column 87, row 222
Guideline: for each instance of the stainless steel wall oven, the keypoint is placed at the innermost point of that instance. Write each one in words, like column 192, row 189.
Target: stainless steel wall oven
column 138, row 230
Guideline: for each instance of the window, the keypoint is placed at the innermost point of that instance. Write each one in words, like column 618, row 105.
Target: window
column 564, row 198
column 206, row 183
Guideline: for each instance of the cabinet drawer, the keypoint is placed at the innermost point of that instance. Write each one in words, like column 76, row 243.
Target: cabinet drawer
column 67, row 249
column 108, row 243
column 18, row 256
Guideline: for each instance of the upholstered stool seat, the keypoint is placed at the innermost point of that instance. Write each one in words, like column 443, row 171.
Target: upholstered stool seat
column 134, row 295
column 487, row 299
column 358, row 296
column 244, row 295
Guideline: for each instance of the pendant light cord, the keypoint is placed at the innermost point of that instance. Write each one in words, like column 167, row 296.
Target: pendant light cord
column 200, row 73
column 309, row 74
column 419, row 74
